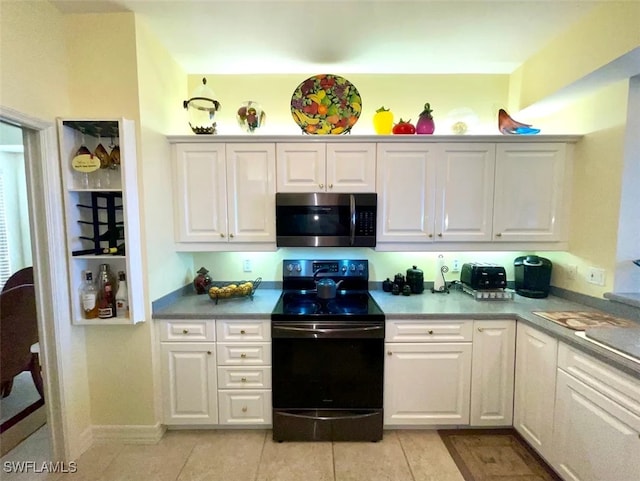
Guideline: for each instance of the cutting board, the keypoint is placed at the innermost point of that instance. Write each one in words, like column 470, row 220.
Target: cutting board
column 625, row 340
column 581, row 320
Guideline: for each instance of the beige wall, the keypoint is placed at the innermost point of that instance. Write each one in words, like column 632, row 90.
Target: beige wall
column 597, row 177
column 34, row 80
column 603, row 35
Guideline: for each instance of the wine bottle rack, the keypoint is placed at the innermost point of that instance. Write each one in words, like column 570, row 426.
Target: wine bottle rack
column 102, row 222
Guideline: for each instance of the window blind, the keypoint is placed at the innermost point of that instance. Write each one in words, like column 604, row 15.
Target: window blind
column 5, row 261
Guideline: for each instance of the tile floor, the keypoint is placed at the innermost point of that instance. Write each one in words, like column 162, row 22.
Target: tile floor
column 251, row 455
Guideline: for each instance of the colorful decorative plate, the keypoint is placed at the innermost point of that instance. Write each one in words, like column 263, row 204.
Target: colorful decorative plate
column 326, row 104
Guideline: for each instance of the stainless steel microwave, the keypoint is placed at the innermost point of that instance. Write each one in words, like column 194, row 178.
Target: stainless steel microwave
column 326, row 220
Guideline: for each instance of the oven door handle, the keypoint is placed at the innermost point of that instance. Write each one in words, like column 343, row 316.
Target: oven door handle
column 330, row 331
column 352, row 226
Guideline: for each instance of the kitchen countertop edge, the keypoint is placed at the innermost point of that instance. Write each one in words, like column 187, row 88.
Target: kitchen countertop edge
column 453, row 306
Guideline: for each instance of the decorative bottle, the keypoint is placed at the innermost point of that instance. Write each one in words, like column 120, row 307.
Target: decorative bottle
column 106, row 296
column 122, row 297
column 88, row 297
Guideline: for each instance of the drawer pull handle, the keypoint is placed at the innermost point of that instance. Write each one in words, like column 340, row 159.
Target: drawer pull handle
column 389, row 353
column 209, row 352
column 243, row 355
column 244, row 379
column 244, row 409
column 231, row 235
column 321, row 186
column 480, row 329
column 430, row 331
column 499, row 234
column 243, row 331
column 331, row 186
column 221, row 234
column 185, row 331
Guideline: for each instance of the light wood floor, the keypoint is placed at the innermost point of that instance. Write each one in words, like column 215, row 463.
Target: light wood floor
column 239, row 455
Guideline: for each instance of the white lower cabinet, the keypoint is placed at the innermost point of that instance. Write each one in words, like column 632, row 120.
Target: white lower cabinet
column 596, row 422
column 427, row 382
column 244, row 372
column 492, row 373
column 209, row 383
column 535, row 385
column 189, row 389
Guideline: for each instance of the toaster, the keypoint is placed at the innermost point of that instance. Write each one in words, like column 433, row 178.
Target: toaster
column 479, row 275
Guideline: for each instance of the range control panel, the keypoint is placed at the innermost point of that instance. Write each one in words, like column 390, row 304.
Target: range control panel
column 325, row 268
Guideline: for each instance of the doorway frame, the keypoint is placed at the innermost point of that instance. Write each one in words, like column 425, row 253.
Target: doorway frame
column 46, row 221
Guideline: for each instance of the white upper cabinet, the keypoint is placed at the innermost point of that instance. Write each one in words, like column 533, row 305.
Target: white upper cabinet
column 251, row 192
column 319, row 167
column 406, row 185
column 200, row 192
column 464, row 192
column 225, row 193
column 531, row 191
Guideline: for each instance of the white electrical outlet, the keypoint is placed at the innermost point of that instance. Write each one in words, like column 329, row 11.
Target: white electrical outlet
column 455, row 265
column 572, row 272
column 595, row 276
column 246, row 265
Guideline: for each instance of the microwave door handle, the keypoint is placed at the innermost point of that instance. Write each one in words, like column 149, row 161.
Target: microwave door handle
column 352, row 230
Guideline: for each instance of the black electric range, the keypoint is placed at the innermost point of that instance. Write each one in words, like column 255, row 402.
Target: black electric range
column 327, row 355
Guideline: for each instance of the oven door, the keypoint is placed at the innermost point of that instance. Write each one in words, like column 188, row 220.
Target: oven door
column 327, row 381
column 325, row 366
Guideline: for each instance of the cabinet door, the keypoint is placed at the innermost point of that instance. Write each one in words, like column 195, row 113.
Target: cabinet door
column 200, row 193
column 464, row 192
column 189, row 388
column 529, row 192
column 251, row 171
column 492, row 374
column 301, row 167
column 406, row 192
column 536, row 355
column 427, row 384
column 596, row 438
column 351, row 167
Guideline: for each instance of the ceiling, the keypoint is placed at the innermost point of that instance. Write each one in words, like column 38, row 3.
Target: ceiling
column 348, row 36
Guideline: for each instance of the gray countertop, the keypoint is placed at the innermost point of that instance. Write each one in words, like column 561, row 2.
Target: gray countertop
column 424, row 306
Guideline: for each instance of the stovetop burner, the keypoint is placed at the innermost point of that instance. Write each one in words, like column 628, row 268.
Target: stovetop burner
column 300, row 299
column 345, row 303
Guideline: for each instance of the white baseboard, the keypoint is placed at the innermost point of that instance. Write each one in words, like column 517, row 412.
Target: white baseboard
column 130, row 434
column 78, row 446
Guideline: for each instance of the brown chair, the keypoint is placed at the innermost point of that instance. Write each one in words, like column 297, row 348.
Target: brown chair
column 18, row 332
column 23, row 276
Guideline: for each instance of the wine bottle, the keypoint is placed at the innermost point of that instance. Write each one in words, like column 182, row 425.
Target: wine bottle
column 106, row 296
column 88, row 297
column 122, row 297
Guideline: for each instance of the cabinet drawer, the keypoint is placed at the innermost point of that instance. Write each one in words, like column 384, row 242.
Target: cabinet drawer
column 240, row 377
column 244, row 407
column 188, row 330
column 429, row 331
column 235, row 353
column 251, row 331
column 607, row 380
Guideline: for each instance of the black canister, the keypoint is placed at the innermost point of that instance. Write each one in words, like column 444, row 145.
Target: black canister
column 398, row 280
column 415, row 280
column 387, row 285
